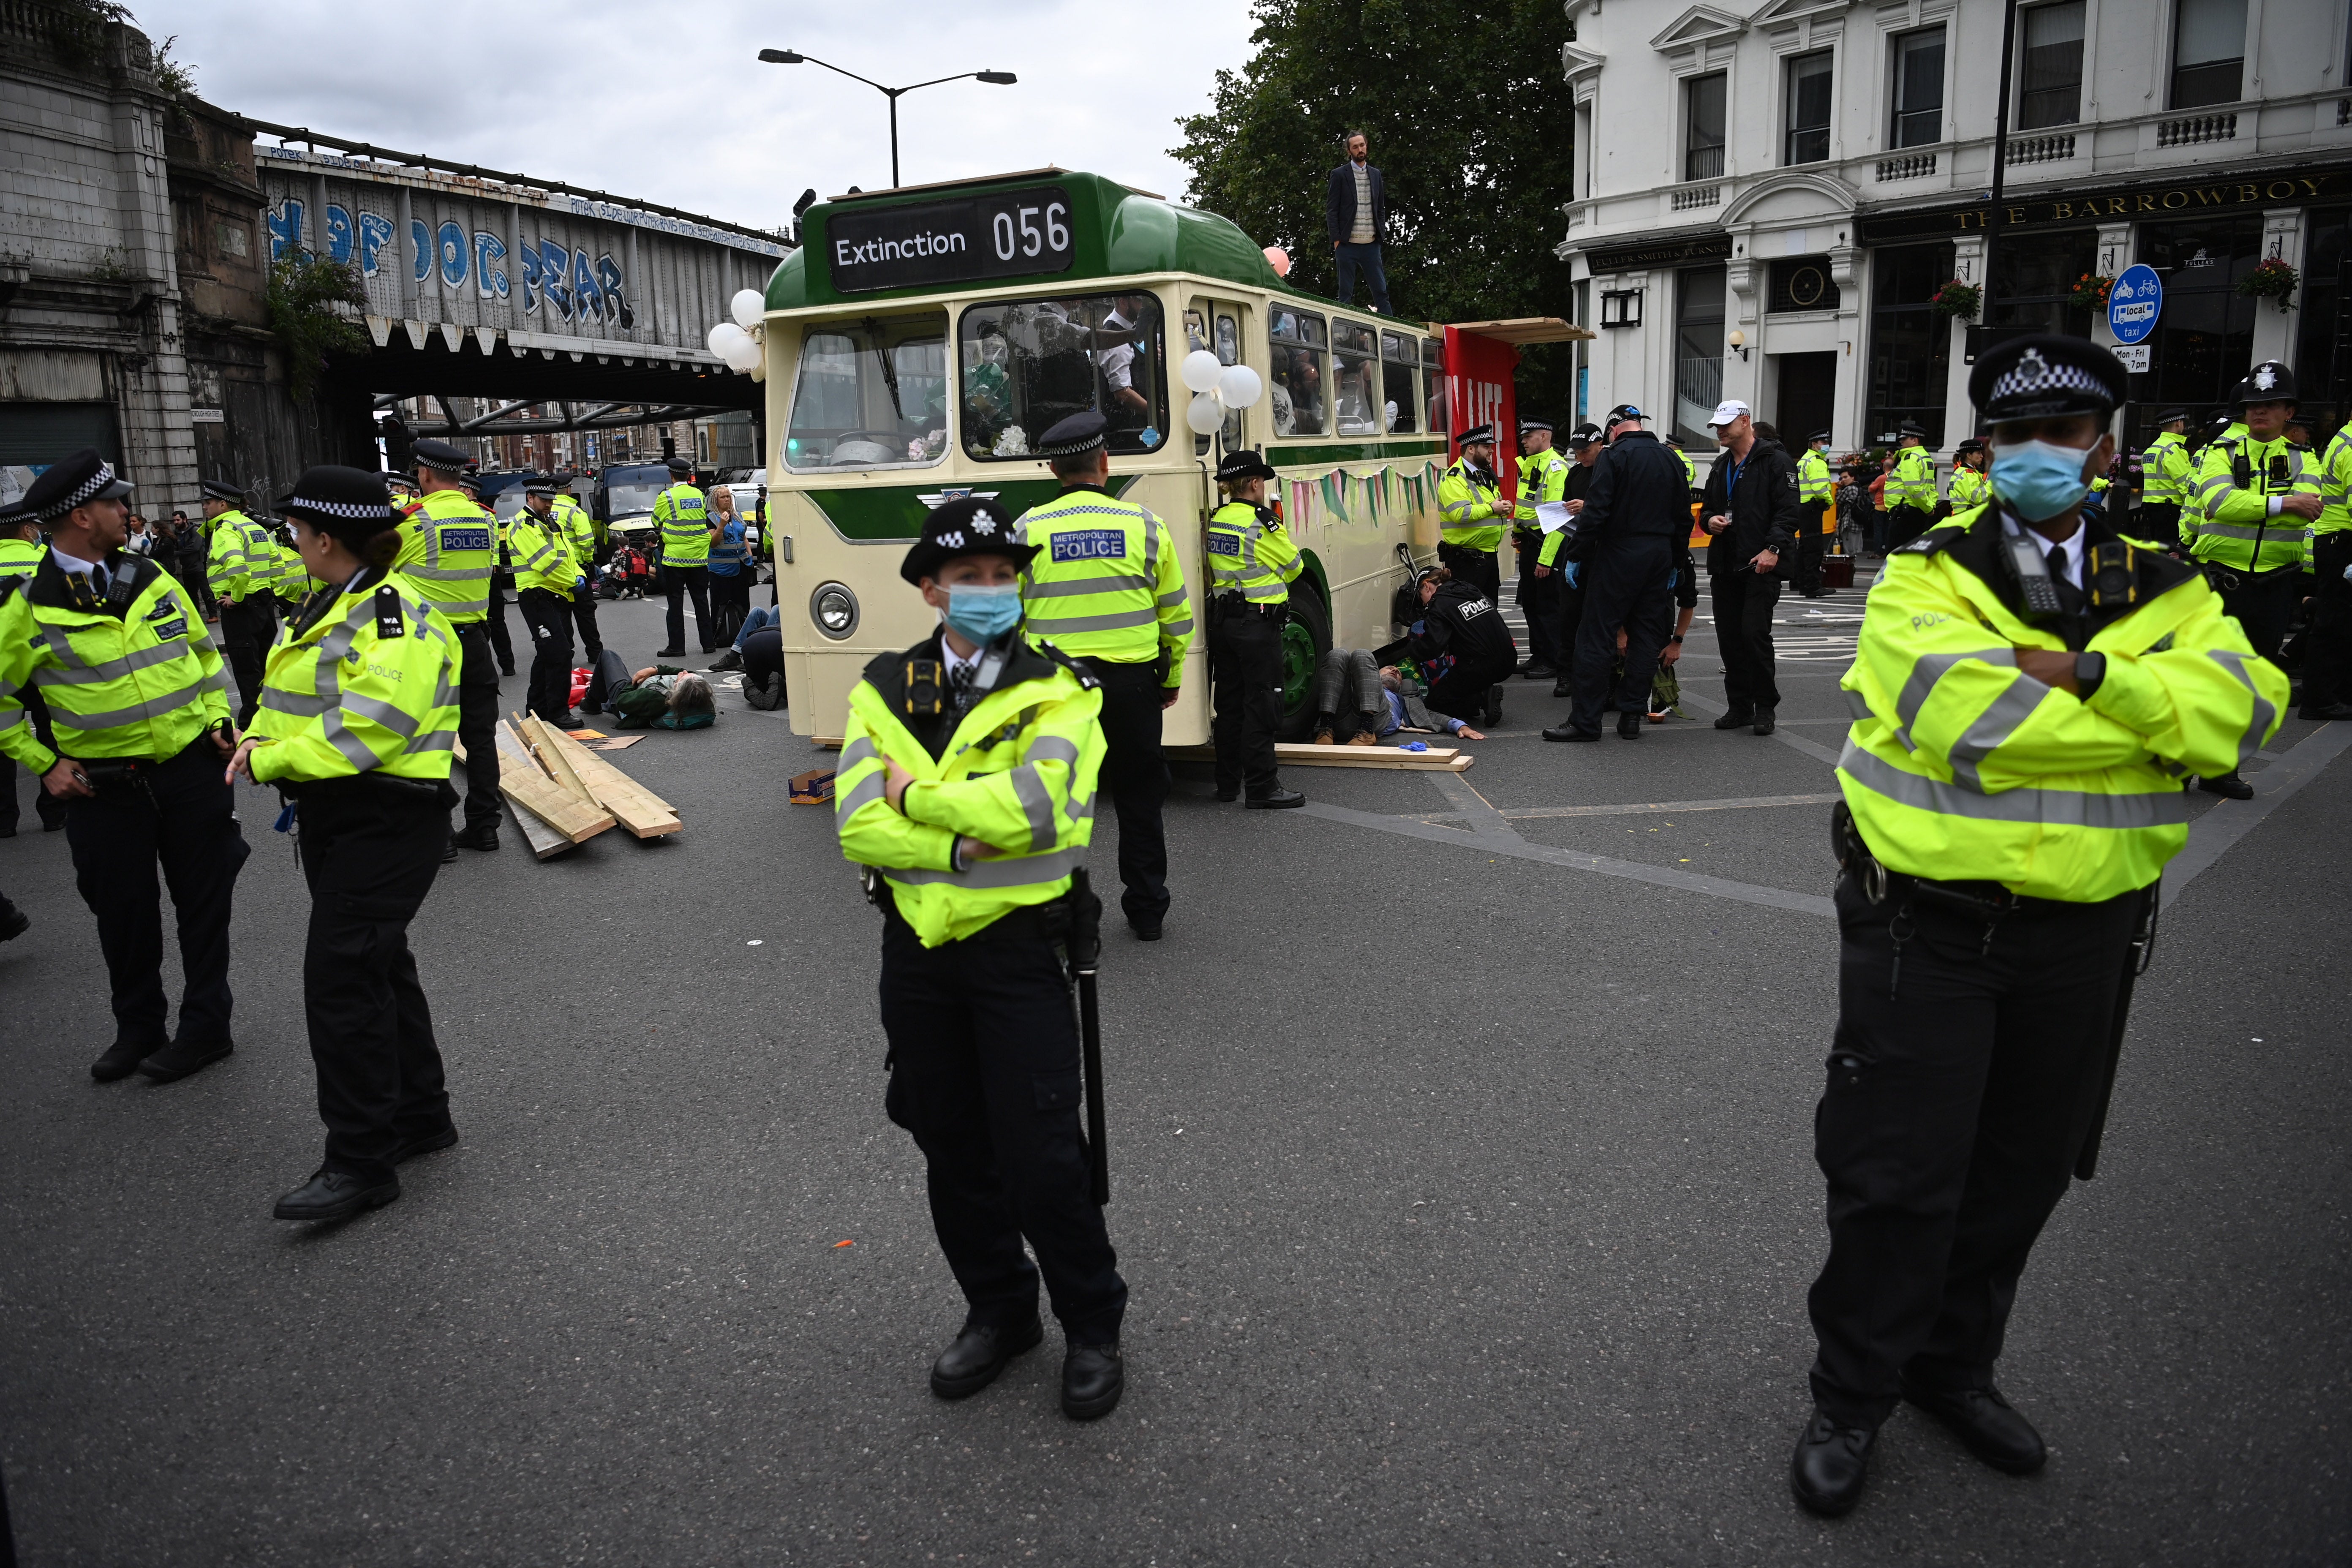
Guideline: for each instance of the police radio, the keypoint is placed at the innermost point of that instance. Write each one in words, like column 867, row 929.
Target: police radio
column 2031, row 574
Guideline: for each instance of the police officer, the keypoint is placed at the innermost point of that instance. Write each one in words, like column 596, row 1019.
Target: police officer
column 683, row 516
column 2257, row 495
column 2015, row 653
column 1585, row 444
column 358, row 715
column 1106, row 588
column 21, row 549
column 502, row 579
column 1543, row 476
column 2166, row 475
column 1637, row 507
column 240, row 586
column 1969, row 488
column 968, row 776
column 2328, row 647
column 1816, row 513
column 135, row 692
column 545, row 579
column 448, row 551
column 1463, row 648
column 1471, row 513
column 580, row 538
column 1910, row 489
column 1252, row 563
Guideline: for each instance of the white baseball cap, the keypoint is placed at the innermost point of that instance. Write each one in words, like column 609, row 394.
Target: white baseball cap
column 1726, row 411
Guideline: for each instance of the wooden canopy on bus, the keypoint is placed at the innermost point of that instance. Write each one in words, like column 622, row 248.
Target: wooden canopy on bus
column 1518, row 331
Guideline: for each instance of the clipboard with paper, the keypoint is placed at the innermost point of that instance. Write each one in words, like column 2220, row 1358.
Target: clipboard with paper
column 1552, row 516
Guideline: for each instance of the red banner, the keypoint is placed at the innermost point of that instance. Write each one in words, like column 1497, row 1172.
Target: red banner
column 1478, row 391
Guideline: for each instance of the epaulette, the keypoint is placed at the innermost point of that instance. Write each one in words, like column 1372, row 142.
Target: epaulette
column 1087, row 678
column 1933, row 539
column 389, row 621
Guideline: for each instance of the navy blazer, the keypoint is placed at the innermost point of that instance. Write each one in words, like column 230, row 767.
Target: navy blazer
column 1340, row 204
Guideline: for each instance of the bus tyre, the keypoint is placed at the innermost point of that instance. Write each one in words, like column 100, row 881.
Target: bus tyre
column 1306, row 638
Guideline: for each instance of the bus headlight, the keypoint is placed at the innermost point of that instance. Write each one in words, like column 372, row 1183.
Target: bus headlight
column 834, row 608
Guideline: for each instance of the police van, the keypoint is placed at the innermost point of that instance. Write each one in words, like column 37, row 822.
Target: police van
column 921, row 340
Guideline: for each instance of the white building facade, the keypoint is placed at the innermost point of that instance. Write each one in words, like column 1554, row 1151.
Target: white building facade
column 1766, row 201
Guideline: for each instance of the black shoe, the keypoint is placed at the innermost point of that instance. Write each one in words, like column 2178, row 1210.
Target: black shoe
column 1738, row 717
column 1092, row 1381
column 1493, row 706
column 730, row 660
column 1229, row 796
column 1629, row 726
column 334, row 1194
column 1144, row 932
column 1276, row 799
column 1563, row 689
column 669, row 653
column 2229, row 787
column 54, row 823
column 979, row 1354
column 122, row 1059
column 1989, row 1425
column 1569, row 732
column 1539, row 672
column 506, row 669
column 181, row 1057
column 1763, row 721
column 1830, row 1466
column 482, row 835
column 15, row 923
column 425, row 1144
column 2326, row 714
column 450, row 851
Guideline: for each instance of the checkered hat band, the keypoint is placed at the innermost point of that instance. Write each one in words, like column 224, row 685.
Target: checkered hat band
column 1071, row 449
column 358, row 511
column 2043, row 378
column 89, row 487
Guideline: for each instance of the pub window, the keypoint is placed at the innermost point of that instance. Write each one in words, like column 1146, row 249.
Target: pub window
column 1802, row 283
column 1029, row 364
column 1809, row 108
column 2205, row 338
column 2049, row 75
column 2323, row 361
column 2032, row 274
column 1919, row 89
column 1703, row 125
column 1698, row 350
column 1910, row 346
column 2209, row 52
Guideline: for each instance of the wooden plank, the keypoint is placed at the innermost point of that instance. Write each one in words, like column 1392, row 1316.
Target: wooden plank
column 638, row 809
column 1307, row 755
column 525, row 785
column 1389, row 763
column 557, row 766
column 544, row 840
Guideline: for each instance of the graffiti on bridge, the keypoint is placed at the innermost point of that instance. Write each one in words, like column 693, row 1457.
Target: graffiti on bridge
column 565, row 281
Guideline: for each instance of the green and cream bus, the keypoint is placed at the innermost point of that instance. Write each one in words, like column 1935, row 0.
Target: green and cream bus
column 921, row 340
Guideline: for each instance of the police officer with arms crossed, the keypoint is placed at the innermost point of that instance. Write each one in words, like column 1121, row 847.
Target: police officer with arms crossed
column 1637, row 507
column 1910, row 489
column 579, row 535
column 1105, row 587
column 545, row 578
column 1252, row 563
column 967, row 785
column 358, row 715
column 135, row 692
column 683, row 516
column 1471, row 513
column 447, row 550
column 1543, row 476
column 2168, row 474
column 2034, row 688
column 239, row 573
column 21, row 552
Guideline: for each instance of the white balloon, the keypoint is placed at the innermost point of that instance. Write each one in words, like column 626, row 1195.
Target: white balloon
column 743, row 357
column 1205, row 416
column 1239, row 385
column 725, row 334
column 1198, row 369
column 748, row 308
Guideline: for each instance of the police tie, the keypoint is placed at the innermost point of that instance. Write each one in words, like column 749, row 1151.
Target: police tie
column 960, row 685
column 2070, row 597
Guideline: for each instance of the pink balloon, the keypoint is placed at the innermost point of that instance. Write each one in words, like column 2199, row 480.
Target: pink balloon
column 1279, row 259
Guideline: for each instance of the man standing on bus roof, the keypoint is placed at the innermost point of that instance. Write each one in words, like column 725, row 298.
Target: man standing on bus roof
column 1470, row 513
column 1105, row 587
column 683, row 517
column 1253, row 563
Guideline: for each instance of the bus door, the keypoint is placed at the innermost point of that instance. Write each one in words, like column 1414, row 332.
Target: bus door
column 1218, row 325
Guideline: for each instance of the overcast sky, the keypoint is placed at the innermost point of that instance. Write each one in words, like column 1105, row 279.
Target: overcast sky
column 667, row 102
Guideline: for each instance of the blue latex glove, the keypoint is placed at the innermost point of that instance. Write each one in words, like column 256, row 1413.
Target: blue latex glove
column 1572, row 571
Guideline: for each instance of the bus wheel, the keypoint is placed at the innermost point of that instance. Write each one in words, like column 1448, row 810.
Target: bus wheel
column 1306, row 638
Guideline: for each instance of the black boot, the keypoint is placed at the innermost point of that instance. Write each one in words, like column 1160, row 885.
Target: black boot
column 979, row 1353
column 1092, row 1381
column 1736, row 719
column 122, row 1059
column 1990, row 1426
column 1493, row 706
column 1569, row 732
column 1831, row 1464
column 335, row 1195
column 482, row 835
column 2229, row 787
column 1629, row 726
column 1275, row 799
column 1763, row 721
column 181, row 1057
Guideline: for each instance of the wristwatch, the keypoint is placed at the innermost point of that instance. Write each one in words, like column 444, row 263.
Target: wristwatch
column 1676, row 638
column 2090, row 668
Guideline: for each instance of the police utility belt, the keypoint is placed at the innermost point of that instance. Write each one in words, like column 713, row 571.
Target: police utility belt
column 1234, row 601
column 1987, row 902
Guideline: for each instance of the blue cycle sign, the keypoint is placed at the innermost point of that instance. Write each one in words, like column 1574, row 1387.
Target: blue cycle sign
column 2134, row 302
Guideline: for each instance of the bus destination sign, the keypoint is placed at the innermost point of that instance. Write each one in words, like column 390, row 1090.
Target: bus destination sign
column 1008, row 233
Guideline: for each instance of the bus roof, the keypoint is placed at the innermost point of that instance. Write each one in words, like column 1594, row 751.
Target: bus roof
column 1054, row 226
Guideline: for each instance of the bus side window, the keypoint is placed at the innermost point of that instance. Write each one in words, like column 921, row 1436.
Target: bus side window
column 1399, row 384
column 1432, row 382
column 1300, row 344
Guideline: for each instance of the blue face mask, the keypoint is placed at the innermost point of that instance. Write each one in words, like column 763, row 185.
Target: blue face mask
column 984, row 613
column 2040, row 478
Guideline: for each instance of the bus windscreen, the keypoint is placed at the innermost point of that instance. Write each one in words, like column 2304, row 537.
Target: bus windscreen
column 871, row 394
column 1027, row 365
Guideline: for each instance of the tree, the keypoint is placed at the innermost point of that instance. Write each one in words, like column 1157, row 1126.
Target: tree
column 1470, row 127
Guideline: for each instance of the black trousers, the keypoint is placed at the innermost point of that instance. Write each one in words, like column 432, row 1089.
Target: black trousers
column 1135, row 775
column 1474, row 566
column 1461, row 691
column 477, row 721
column 731, row 601
column 182, row 816
column 2160, row 521
column 679, row 583
column 2264, row 606
column 370, row 860
column 46, row 806
column 1954, row 1113
column 985, row 1074
column 1245, row 675
column 549, row 616
column 1809, row 559
column 2327, row 654
column 1626, row 583
column 583, row 617
column 1568, row 615
column 247, row 629
column 1743, row 603
column 501, row 643
column 1904, row 524
column 1537, row 597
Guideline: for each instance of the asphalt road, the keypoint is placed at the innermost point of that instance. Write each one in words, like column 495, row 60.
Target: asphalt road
column 1463, row 1177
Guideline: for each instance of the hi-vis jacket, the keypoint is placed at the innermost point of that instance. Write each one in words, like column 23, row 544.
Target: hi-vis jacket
column 579, row 530
column 128, row 673
column 1250, row 554
column 1969, row 488
column 238, row 562
column 1105, row 583
column 2240, row 482
column 541, row 558
column 682, row 514
column 1543, row 476
column 1017, row 772
column 449, row 548
column 1959, row 767
column 2335, row 482
column 20, row 557
column 1813, row 493
column 366, row 681
column 1913, row 480
column 1470, row 508
column 2166, row 474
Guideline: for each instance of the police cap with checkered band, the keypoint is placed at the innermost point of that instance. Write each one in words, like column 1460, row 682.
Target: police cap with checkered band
column 2044, row 374
column 967, row 525
column 350, row 504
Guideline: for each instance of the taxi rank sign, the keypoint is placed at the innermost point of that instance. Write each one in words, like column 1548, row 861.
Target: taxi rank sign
column 1007, row 233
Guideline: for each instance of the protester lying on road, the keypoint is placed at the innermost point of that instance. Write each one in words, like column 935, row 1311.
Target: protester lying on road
column 660, row 696
column 1361, row 702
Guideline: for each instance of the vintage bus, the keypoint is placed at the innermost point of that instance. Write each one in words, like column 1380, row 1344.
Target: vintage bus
column 921, row 340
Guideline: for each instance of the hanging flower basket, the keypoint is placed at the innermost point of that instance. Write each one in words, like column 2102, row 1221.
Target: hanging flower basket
column 1957, row 299
column 2273, row 279
column 2090, row 291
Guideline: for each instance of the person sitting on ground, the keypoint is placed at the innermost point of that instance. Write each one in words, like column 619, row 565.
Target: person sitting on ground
column 1361, row 702
column 1461, row 643
column 758, row 653
column 660, row 696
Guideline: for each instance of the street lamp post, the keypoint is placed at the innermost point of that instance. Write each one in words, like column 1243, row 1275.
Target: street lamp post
column 792, row 58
